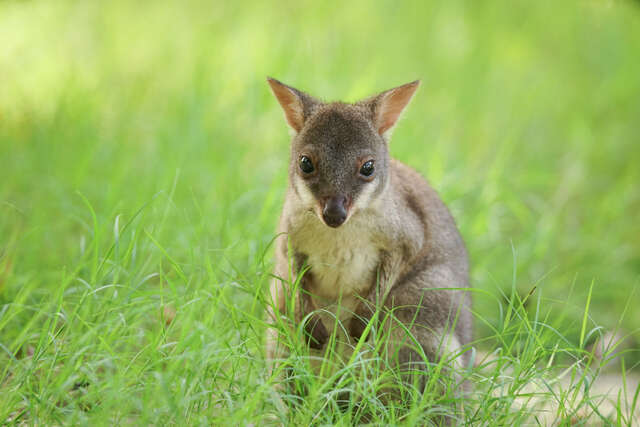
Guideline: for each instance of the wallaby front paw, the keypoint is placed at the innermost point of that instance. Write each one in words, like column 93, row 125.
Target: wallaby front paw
column 359, row 321
column 357, row 327
column 315, row 333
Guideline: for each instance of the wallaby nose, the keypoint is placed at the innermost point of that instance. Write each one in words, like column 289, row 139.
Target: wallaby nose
column 334, row 212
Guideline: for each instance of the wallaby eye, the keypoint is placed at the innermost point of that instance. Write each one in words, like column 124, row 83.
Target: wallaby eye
column 306, row 165
column 367, row 168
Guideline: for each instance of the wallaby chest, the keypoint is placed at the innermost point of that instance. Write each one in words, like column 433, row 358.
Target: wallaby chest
column 343, row 264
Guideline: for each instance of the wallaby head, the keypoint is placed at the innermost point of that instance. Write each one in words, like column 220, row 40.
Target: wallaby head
column 339, row 152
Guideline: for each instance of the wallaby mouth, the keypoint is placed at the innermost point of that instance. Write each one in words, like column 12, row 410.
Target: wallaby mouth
column 334, row 212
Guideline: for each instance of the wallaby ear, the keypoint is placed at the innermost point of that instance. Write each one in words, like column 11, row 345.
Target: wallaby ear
column 297, row 105
column 387, row 107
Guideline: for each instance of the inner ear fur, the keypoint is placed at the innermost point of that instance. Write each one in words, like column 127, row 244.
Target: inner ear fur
column 297, row 105
column 387, row 107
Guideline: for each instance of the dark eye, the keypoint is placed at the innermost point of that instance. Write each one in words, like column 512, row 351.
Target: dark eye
column 367, row 168
column 306, row 165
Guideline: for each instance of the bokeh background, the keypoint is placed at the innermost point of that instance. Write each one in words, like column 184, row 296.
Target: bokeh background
column 158, row 114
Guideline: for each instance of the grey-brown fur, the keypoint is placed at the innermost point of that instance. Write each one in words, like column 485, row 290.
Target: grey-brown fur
column 398, row 243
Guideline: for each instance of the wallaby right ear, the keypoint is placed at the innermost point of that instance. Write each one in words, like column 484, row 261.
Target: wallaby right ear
column 297, row 105
column 387, row 106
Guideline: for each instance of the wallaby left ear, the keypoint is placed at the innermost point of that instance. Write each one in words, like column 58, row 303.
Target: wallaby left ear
column 387, row 107
column 297, row 105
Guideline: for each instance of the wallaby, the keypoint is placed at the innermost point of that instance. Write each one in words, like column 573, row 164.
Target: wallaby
column 365, row 232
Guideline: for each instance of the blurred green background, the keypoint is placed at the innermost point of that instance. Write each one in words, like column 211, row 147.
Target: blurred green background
column 526, row 123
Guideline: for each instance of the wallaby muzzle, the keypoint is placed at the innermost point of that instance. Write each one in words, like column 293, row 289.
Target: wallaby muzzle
column 334, row 212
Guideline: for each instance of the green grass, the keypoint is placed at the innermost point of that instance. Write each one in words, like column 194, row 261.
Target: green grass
column 143, row 165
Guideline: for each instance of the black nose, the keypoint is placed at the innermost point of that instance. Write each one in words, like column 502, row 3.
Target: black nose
column 334, row 212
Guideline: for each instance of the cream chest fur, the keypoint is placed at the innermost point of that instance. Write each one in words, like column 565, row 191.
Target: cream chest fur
column 343, row 263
